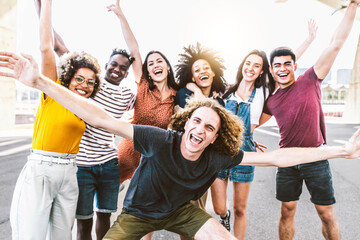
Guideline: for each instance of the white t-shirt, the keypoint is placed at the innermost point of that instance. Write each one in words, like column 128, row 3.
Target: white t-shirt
column 257, row 104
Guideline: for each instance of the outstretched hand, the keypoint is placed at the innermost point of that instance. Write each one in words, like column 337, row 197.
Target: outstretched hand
column 22, row 67
column 115, row 8
column 312, row 28
column 352, row 147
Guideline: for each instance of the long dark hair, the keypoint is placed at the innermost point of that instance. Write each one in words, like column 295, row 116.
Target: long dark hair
column 265, row 79
column 170, row 78
column 192, row 54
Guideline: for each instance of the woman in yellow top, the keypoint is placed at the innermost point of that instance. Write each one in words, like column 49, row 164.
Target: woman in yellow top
column 45, row 196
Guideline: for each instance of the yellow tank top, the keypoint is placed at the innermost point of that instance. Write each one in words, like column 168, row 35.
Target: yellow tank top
column 56, row 129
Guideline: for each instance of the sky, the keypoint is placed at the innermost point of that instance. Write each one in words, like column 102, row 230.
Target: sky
column 232, row 27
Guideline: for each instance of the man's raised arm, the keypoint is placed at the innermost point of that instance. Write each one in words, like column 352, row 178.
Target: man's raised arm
column 327, row 57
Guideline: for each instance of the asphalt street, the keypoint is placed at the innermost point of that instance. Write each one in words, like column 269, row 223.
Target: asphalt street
column 263, row 208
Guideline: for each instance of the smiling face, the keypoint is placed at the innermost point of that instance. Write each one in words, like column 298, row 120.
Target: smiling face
column 282, row 69
column 116, row 69
column 202, row 74
column 200, row 131
column 157, row 67
column 252, row 68
column 83, row 89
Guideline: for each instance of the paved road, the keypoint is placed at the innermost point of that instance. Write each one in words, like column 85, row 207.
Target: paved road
column 263, row 208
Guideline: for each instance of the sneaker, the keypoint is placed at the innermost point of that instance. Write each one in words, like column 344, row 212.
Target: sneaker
column 226, row 220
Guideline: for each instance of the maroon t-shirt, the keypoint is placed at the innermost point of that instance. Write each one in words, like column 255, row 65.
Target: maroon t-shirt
column 297, row 110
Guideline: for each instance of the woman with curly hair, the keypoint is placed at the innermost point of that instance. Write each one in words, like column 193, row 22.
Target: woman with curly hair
column 200, row 73
column 246, row 99
column 46, row 192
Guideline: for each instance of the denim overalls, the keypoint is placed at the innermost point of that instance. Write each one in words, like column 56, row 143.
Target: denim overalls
column 241, row 173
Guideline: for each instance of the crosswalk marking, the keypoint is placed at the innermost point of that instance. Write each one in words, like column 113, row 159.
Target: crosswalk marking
column 340, row 141
column 15, row 150
column 267, row 132
column 277, row 135
column 10, row 142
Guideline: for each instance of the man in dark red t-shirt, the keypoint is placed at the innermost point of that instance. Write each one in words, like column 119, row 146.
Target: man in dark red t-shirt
column 296, row 106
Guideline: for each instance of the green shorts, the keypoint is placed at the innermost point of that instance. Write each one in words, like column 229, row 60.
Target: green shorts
column 186, row 221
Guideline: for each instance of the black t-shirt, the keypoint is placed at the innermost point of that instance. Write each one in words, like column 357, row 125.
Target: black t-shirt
column 165, row 180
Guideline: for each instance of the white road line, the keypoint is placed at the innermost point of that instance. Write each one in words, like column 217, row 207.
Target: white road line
column 340, row 141
column 267, row 132
column 10, row 142
column 15, row 150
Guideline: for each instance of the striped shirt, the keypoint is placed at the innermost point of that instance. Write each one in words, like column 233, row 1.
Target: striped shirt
column 97, row 145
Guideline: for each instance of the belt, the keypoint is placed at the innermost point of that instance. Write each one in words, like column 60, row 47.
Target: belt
column 51, row 159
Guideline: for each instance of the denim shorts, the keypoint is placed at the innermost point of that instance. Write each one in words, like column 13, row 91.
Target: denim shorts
column 242, row 174
column 317, row 178
column 101, row 181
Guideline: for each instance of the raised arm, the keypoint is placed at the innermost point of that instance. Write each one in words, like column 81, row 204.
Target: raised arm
column 286, row 157
column 59, row 44
column 129, row 39
column 25, row 69
column 327, row 58
column 312, row 28
column 48, row 62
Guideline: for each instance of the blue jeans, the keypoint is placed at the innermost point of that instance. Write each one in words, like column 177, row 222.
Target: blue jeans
column 318, row 180
column 239, row 173
column 101, row 181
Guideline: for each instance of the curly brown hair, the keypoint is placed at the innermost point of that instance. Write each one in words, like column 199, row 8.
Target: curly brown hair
column 231, row 128
column 71, row 62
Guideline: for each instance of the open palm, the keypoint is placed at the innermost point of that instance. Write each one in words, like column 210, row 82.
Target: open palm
column 22, row 67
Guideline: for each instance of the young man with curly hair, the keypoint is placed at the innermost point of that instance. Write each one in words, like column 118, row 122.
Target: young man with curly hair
column 177, row 165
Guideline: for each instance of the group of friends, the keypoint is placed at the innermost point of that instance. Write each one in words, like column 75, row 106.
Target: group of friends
column 190, row 132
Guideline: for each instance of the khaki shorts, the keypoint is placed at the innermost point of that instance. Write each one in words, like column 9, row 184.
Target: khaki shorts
column 186, row 221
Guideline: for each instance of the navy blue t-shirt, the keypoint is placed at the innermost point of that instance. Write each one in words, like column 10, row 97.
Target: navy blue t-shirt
column 165, row 180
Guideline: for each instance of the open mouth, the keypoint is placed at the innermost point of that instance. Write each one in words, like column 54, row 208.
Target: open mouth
column 158, row 72
column 204, row 77
column 81, row 92
column 195, row 139
column 283, row 75
column 114, row 75
column 249, row 74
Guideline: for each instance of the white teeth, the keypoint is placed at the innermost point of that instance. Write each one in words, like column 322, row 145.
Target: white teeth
column 157, row 71
column 81, row 91
column 114, row 75
column 195, row 139
column 204, row 77
column 250, row 74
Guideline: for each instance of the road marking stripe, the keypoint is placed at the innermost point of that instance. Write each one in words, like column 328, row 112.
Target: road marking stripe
column 10, row 142
column 340, row 141
column 267, row 132
column 15, row 150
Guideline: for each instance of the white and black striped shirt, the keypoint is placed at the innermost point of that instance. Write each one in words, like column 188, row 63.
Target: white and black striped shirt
column 97, row 145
